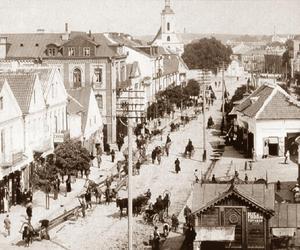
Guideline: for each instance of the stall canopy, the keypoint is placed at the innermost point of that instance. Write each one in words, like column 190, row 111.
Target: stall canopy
column 280, row 232
column 215, row 233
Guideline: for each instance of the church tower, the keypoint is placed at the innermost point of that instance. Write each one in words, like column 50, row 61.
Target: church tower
column 166, row 35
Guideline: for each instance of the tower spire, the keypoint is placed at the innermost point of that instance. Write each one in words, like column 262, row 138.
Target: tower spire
column 167, row 3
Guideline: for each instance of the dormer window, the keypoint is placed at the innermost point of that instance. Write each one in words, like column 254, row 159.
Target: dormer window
column 86, row 51
column 51, row 52
column 71, row 51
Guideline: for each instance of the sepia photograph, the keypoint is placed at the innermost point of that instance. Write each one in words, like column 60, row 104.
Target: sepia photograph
column 150, row 124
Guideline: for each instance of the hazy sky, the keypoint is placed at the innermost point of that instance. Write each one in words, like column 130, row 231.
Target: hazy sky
column 142, row 17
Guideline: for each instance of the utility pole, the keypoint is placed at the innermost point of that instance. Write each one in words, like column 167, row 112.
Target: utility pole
column 129, row 174
column 223, row 88
column 130, row 111
column 203, row 122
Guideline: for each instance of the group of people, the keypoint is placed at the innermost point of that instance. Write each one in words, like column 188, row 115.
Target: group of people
column 156, row 154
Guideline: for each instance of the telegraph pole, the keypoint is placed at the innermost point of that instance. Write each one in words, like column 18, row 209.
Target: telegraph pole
column 129, row 110
column 129, row 175
column 223, row 89
column 203, row 121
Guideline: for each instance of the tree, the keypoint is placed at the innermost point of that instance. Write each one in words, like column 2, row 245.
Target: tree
column 72, row 157
column 286, row 57
column 192, row 88
column 207, row 53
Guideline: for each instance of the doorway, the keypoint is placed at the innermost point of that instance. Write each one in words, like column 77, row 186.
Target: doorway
column 212, row 245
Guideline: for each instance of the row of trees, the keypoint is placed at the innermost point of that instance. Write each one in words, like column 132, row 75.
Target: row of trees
column 173, row 95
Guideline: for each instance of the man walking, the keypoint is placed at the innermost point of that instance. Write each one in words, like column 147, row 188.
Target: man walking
column 7, row 224
column 29, row 212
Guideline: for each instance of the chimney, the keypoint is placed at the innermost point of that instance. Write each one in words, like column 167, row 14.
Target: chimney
column 3, row 46
column 40, row 31
column 65, row 36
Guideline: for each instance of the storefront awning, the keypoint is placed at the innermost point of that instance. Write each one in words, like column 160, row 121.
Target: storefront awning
column 215, row 233
column 283, row 231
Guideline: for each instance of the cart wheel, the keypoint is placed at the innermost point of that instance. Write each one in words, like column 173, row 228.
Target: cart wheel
column 155, row 219
column 165, row 217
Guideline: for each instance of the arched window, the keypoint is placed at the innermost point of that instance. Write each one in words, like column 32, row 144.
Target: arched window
column 99, row 99
column 168, row 38
column 168, row 26
column 77, row 78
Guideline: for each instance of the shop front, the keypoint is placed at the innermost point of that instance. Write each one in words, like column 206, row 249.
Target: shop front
column 233, row 217
column 16, row 178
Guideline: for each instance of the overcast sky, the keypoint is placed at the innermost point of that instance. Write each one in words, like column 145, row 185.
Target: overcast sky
column 142, row 17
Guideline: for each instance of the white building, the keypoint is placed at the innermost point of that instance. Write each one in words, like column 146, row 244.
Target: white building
column 83, row 108
column 235, row 69
column 56, row 99
column 166, row 35
column 268, row 117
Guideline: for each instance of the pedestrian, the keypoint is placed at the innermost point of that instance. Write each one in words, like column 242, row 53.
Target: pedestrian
column 138, row 167
column 58, row 183
column 253, row 155
column 286, row 157
column 265, row 150
column 7, row 225
column 156, row 239
column 158, row 154
column 187, row 212
column 213, row 179
column 88, row 199
column 190, row 236
column 113, row 154
column 196, row 176
column 26, row 236
column 98, row 155
column 246, row 178
column 68, row 184
column 29, row 212
column 153, row 155
column 215, row 84
column 168, row 144
column 83, row 207
column 278, row 185
column 177, row 166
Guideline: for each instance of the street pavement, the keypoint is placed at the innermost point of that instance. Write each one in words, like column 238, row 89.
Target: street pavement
column 65, row 201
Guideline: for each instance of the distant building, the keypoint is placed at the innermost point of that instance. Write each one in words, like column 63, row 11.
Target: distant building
column 166, row 35
column 295, row 61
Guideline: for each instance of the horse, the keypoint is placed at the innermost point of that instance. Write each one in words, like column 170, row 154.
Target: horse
column 189, row 149
column 122, row 203
column 138, row 203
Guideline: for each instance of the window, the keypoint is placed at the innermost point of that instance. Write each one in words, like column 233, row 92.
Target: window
column 2, row 138
column 123, row 72
column 51, row 52
column 71, row 51
column 168, row 38
column 1, row 102
column 168, row 26
column 99, row 99
column 52, row 91
column 86, row 51
column 98, row 74
column 77, row 78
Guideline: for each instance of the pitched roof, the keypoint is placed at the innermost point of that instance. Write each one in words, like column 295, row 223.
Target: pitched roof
column 208, row 195
column 44, row 75
column 270, row 102
column 22, row 86
column 82, row 97
column 157, row 36
column 33, row 45
column 250, row 108
column 280, row 107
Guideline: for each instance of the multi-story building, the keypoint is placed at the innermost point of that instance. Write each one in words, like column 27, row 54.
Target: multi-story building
column 82, row 59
